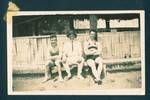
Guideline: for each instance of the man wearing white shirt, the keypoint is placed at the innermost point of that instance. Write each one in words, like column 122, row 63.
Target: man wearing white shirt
column 72, row 55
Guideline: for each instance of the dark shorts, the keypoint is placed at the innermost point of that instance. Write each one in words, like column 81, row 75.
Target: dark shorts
column 91, row 57
column 52, row 63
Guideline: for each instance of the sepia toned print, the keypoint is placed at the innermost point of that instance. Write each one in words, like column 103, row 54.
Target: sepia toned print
column 76, row 53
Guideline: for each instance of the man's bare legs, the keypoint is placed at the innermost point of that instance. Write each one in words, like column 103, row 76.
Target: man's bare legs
column 47, row 71
column 58, row 65
column 80, row 67
column 67, row 68
column 92, row 64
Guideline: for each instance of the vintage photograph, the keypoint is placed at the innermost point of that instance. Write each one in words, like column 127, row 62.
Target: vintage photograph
column 76, row 52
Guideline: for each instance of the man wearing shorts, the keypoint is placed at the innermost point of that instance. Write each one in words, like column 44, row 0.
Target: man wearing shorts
column 92, row 51
column 72, row 55
column 55, row 55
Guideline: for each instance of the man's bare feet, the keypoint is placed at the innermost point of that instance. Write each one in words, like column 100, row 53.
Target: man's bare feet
column 45, row 80
column 80, row 77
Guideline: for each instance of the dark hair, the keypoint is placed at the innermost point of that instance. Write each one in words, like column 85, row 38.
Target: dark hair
column 96, row 38
column 71, row 32
column 53, row 36
column 93, row 30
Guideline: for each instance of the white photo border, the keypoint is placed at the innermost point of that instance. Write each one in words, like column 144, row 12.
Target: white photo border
column 139, row 91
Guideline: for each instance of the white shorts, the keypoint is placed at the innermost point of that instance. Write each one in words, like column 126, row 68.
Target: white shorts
column 74, row 60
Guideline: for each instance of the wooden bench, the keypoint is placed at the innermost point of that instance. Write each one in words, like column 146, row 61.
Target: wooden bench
column 119, row 62
column 26, row 69
column 119, row 65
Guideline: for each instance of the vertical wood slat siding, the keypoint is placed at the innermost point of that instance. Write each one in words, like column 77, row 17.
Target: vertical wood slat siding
column 34, row 50
column 120, row 44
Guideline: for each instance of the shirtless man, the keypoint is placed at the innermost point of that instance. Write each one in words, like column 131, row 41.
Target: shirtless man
column 72, row 55
column 55, row 55
column 92, row 52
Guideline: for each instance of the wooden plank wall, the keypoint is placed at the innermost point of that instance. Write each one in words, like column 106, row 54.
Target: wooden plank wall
column 34, row 50
column 120, row 44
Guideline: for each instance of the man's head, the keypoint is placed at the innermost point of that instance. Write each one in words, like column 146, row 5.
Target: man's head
column 93, row 35
column 53, row 39
column 72, row 35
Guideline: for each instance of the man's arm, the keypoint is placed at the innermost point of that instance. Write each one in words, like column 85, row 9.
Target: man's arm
column 64, row 52
column 87, row 51
column 79, row 49
column 60, row 52
column 85, row 46
column 99, row 50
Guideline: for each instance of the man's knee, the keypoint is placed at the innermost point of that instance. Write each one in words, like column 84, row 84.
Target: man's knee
column 99, row 60
column 90, row 62
column 58, row 62
column 50, row 64
column 80, row 60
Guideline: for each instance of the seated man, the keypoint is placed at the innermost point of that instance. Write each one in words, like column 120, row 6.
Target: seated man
column 92, row 51
column 54, row 59
column 72, row 54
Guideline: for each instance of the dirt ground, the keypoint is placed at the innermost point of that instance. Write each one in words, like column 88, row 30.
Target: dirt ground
column 117, row 80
